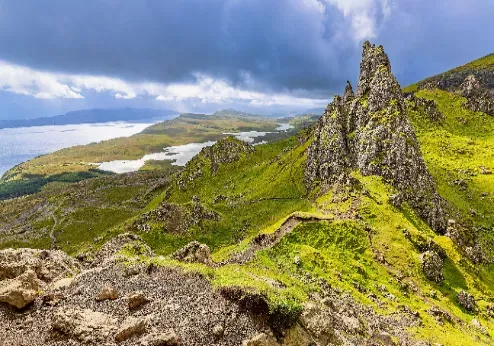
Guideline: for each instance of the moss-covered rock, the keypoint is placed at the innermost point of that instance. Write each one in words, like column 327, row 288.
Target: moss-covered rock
column 432, row 266
column 376, row 138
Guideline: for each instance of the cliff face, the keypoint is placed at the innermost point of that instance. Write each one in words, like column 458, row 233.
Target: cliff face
column 474, row 81
column 371, row 132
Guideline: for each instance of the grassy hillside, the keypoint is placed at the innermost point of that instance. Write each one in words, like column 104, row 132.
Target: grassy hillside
column 485, row 63
column 482, row 69
column 81, row 162
column 351, row 237
column 73, row 216
column 459, row 152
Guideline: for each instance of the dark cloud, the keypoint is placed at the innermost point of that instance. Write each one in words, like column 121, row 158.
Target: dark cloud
column 262, row 45
column 280, row 43
column 424, row 38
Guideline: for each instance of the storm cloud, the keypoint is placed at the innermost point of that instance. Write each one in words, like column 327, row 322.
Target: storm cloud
column 265, row 50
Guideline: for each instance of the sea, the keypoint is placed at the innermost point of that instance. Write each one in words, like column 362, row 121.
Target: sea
column 21, row 144
column 24, row 143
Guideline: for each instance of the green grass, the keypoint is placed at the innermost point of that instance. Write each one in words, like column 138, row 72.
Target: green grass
column 260, row 189
column 86, row 211
column 21, row 187
column 486, row 62
column 455, row 149
column 340, row 251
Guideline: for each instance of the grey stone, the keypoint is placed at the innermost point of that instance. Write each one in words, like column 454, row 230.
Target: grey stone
column 432, row 266
column 466, row 300
column 130, row 327
column 372, row 133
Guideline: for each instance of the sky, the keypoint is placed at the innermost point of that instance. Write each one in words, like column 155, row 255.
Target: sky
column 262, row 56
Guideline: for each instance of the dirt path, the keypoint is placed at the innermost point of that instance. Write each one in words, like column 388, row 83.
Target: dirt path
column 266, row 241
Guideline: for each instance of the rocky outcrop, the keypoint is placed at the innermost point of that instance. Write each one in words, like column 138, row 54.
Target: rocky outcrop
column 48, row 265
column 261, row 339
column 371, row 132
column 107, row 292
column 174, row 218
column 470, row 86
column 25, row 272
column 85, row 325
column 21, row 291
column 477, row 86
column 429, row 107
column 127, row 242
column 194, row 252
column 479, row 99
column 466, row 300
column 432, row 266
column 168, row 338
column 136, row 300
column 226, row 150
column 132, row 326
column 452, row 79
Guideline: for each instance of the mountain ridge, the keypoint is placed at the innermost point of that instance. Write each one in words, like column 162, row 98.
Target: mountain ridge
column 89, row 116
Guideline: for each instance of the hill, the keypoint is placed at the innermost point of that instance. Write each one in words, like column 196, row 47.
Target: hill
column 372, row 227
column 89, row 116
column 473, row 81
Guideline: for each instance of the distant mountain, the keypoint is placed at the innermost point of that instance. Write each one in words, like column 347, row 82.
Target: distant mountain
column 87, row 116
column 312, row 111
column 235, row 113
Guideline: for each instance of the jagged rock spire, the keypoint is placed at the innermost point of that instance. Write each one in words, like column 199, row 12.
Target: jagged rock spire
column 371, row 132
column 373, row 60
column 348, row 96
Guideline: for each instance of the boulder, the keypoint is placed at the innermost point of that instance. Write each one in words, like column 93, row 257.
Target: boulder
column 319, row 321
column 107, row 292
column 62, row 284
column 168, row 338
column 136, row 300
column 381, row 338
column 466, row 300
column 475, row 254
column 21, row 291
column 476, row 323
column 470, row 86
column 48, row 265
column 84, row 325
column 218, row 330
column 194, row 252
column 131, row 242
column 432, row 266
column 130, row 327
column 261, row 339
column 440, row 315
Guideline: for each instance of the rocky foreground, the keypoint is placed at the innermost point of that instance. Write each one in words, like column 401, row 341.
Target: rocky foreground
column 51, row 299
column 54, row 300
